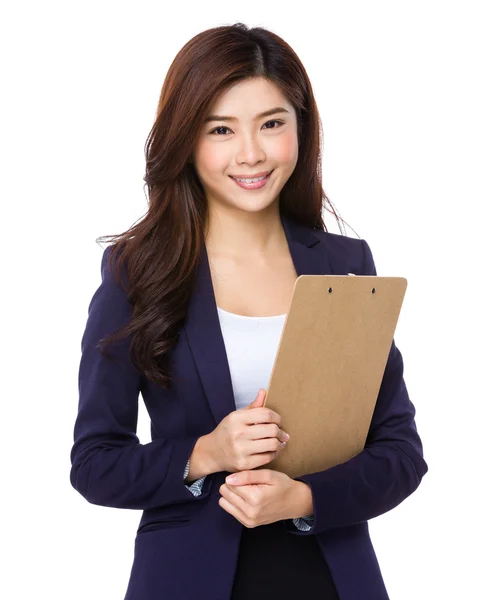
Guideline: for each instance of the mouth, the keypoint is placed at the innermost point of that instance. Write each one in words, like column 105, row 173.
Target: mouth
column 253, row 183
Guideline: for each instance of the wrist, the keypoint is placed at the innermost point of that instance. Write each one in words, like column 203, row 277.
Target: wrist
column 302, row 504
column 201, row 461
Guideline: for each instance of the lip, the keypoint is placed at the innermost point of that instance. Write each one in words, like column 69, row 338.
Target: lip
column 261, row 174
column 254, row 186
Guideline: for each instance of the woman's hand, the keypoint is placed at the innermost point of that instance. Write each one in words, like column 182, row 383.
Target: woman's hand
column 264, row 496
column 246, row 438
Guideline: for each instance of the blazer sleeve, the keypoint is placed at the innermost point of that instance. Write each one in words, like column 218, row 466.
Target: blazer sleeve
column 389, row 468
column 109, row 465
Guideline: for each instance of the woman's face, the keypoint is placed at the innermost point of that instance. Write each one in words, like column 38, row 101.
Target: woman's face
column 247, row 145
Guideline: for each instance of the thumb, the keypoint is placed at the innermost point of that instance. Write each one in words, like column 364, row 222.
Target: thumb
column 259, row 400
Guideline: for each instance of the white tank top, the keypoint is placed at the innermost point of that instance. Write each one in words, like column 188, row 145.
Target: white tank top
column 251, row 344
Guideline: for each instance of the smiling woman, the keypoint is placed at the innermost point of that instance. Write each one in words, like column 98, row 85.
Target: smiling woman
column 192, row 302
column 223, row 160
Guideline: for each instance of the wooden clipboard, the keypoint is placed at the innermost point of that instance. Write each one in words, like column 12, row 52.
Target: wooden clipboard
column 329, row 367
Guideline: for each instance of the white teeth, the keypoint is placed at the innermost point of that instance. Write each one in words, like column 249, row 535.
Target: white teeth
column 251, row 180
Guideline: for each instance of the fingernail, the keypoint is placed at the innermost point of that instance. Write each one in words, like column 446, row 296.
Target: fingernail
column 282, row 444
column 287, row 436
column 231, row 479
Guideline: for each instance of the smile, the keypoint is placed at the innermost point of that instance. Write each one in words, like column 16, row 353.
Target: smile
column 252, row 184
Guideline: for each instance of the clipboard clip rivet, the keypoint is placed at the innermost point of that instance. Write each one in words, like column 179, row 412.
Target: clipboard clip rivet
column 330, row 290
column 373, row 290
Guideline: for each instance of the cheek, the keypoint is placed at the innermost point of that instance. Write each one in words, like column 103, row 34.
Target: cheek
column 286, row 150
column 211, row 159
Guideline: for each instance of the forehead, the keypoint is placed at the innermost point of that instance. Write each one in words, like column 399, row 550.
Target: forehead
column 249, row 97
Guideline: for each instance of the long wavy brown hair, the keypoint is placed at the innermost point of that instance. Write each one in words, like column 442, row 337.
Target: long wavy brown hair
column 161, row 252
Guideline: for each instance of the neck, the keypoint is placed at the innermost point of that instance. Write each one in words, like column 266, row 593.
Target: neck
column 238, row 233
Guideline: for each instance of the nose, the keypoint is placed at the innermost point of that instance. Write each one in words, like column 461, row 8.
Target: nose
column 250, row 150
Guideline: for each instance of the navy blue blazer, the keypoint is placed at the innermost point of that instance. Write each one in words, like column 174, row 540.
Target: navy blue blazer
column 184, row 539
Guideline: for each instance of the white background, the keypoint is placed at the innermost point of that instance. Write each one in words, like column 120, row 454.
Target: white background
column 403, row 90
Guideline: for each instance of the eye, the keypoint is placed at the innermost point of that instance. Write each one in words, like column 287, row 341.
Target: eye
column 216, row 130
column 274, row 121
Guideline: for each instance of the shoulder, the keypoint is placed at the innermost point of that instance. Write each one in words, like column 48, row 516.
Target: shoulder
column 114, row 267
column 110, row 299
column 339, row 243
column 352, row 254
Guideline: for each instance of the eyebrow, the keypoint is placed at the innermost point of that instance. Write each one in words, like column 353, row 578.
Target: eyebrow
column 266, row 113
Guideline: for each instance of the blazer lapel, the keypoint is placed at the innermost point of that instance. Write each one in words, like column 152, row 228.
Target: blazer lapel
column 202, row 325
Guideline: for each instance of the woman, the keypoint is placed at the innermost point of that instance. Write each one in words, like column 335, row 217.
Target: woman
column 191, row 306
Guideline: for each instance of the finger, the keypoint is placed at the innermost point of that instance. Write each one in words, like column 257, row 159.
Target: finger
column 235, row 496
column 234, row 511
column 260, row 415
column 251, row 477
column 246, row 497
column 266, row 445
column 258, row 401
column 268, row 430
column 261, row 459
